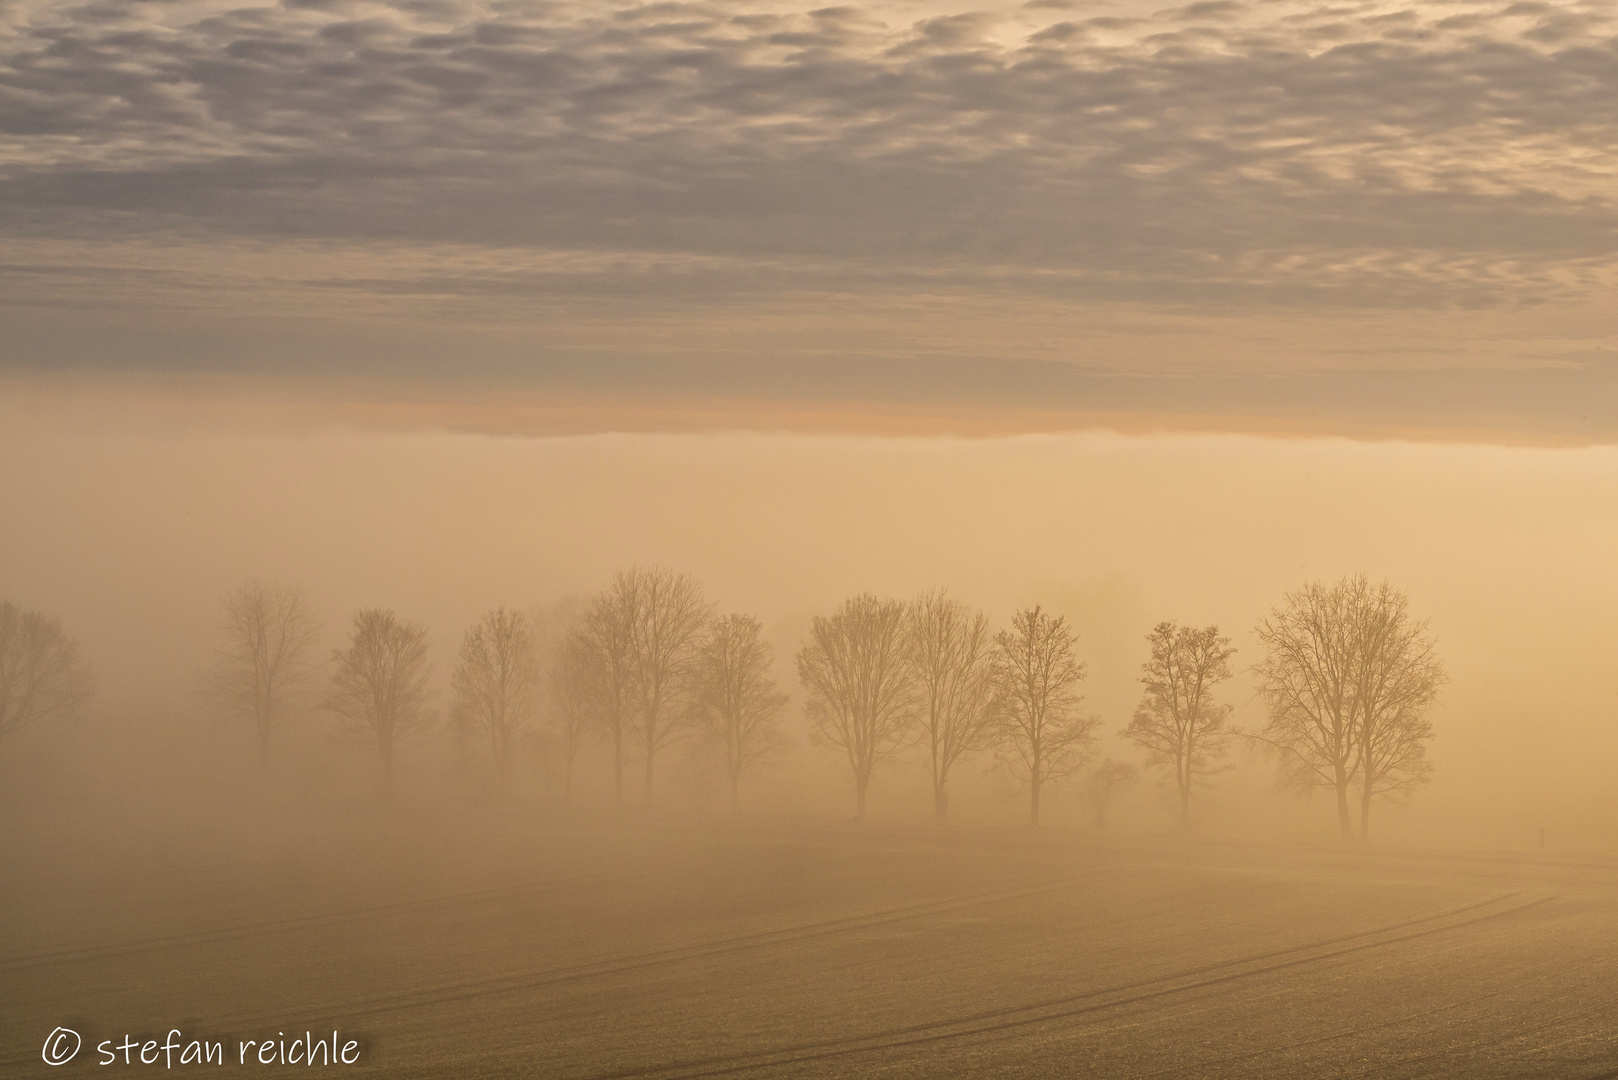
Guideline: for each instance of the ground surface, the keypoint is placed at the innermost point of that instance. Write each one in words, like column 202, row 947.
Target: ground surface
column 582, row 950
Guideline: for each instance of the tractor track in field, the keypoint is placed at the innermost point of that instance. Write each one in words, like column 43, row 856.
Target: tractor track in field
column 549, row 976
column 705, row 950
column 1015, row 1018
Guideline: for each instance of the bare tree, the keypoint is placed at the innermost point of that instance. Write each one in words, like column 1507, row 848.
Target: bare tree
column 607, row 636
column 1178, row 723
column 1348, row 678
column 1306, row 680
column 736, row 700
column 670, row 616
column 1105, row 781
column 1042, row 734
column 265, row 668
column 379, row 687
column 952, row 653
column 1396, row 680
column 41, row 674
column 860, row 691
column 496, row 684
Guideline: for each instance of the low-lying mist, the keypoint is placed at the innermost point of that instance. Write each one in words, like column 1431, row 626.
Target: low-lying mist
column 131, row 532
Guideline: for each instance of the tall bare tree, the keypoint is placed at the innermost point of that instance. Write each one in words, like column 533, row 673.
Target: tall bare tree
column 1104, row 782
column 736, row 699
column 1306, row 680
column 1178, row 723
column 860, row 690
column 496, row 684
column 1043, row 735
column 42, row 676
column 1396, row 680
column 670, row 616
column 265, row 668
column 952, row 653
column 1347, row 678
column 379, row 685
column 607, row 636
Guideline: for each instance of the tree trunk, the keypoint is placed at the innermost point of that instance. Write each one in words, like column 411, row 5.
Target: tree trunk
column 859, row 796
column 648, row 774
column 1033, row 803
column 1365, row 816
column 1185, row 805
column 735, row 783
column 1343, row 820
column 940, row 804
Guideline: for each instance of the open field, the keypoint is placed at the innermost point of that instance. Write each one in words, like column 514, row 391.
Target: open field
column 469, row 948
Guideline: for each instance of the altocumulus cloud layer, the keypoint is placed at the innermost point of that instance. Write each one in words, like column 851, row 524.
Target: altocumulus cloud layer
column 880, row 200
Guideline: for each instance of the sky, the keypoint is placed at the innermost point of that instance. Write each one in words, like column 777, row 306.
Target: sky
column 1365, row 219
column 1138, row 312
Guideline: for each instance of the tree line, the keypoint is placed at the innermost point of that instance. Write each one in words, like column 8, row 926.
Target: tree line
column 1348, row 677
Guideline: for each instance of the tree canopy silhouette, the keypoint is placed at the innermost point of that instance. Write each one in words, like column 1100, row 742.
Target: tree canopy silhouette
column 952, row 653
column 1348, row 677
column 265, row 667
column 42, row 676
column 1043, row 735
column 379, row 683
column 855, row 669
column 668, row 617
column 737, row 701
column 1178, row 723
column 496, row 683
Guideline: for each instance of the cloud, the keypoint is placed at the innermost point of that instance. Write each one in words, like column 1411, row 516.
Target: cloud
column 1217, row 156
